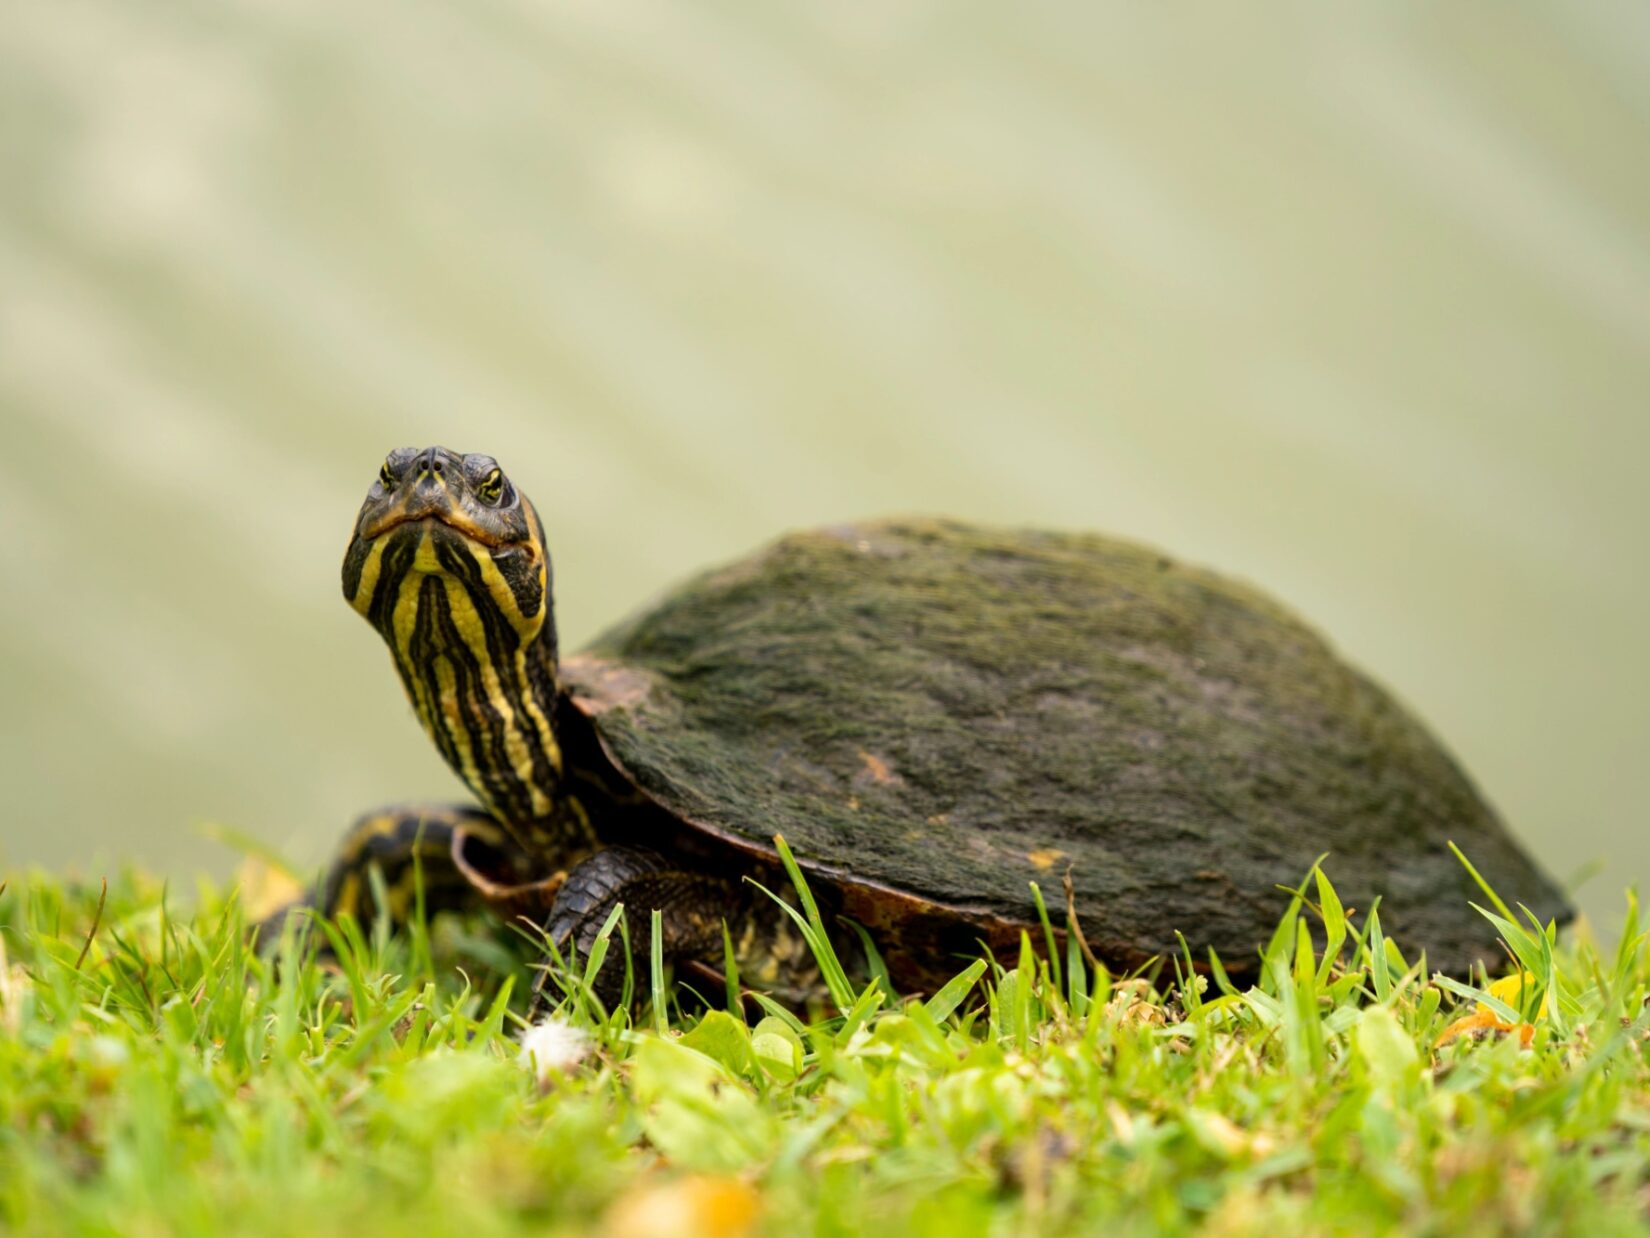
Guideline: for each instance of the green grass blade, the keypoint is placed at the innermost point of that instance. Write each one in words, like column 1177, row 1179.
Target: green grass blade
column 1380, row 967
column 1502, row 1011
column 730, row 975
column 868, row 1002
column 599, row 947
column 954, row 992
column 1048, row 934
column 656, row 973
column 1506, row 912
column 1334, row 924
column 873, row 957
column 1077, row 980
column 836, row 981
column 819, row 937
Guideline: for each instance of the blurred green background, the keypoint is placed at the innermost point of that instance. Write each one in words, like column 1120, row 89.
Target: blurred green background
column 1353, row 302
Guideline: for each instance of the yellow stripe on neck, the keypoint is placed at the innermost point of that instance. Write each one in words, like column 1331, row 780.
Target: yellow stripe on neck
column 452, row 715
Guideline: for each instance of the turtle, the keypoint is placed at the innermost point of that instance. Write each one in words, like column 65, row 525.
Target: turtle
column 936, row 716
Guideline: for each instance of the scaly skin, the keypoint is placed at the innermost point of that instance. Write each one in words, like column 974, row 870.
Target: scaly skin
column 448, row 564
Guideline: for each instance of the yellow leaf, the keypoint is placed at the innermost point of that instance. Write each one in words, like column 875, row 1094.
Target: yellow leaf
column 1510, row 989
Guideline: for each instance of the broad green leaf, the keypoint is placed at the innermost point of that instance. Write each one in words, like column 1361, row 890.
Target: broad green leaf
column 722, row 1038
column 695, row 1112
column 1386, row 1048
column 780, row 1057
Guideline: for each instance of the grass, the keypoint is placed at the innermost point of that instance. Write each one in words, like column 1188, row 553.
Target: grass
column 157, row 1077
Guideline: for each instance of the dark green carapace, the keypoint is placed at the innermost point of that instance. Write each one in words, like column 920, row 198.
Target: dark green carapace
column 948, row 713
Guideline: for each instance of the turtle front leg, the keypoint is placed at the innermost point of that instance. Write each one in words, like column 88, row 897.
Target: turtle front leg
column 692, row 906
column 447, row 847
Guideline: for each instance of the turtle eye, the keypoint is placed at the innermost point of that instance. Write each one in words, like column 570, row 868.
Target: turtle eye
column 386, row 478
column 491, row 489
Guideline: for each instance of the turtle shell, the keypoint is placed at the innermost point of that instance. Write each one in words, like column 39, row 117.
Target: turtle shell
column 936, row 715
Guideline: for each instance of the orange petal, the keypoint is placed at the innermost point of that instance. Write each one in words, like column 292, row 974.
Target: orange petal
column 1482, row 1019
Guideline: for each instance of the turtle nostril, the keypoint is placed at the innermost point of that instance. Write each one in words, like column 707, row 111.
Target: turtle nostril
column 430, row 464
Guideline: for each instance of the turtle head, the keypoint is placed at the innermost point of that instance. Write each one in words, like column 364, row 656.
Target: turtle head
column 433, row 514
column 447, row 562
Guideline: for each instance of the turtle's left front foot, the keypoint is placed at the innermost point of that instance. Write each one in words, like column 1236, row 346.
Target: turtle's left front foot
column 692, row 905
column 415, row 850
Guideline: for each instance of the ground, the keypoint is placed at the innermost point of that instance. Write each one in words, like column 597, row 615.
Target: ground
column 158, row 1077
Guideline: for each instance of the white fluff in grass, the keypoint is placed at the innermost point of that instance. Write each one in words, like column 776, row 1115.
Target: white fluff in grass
column 554, row 1046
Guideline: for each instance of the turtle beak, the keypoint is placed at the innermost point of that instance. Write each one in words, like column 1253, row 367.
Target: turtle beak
column 425, row 498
